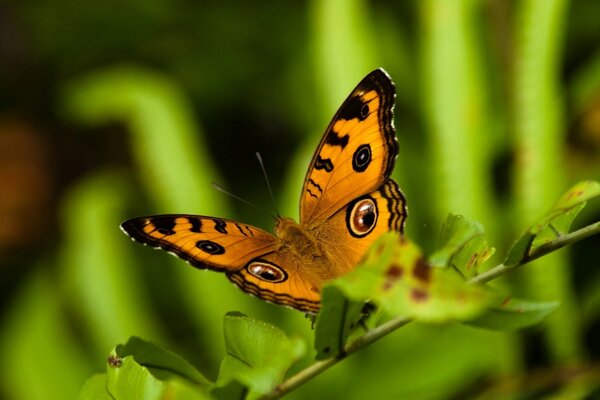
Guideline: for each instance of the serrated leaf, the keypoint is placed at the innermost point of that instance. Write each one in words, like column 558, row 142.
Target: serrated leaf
column 469, row 257
column 95, row 389
column 337, row 319
column 126, row 379
column 258, row 355
column 404, row 284
column 463, row 246
column 161, row 362
column 555, row 223
column 511, row 314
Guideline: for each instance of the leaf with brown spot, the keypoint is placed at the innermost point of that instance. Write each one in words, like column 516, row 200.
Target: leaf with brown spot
column 464, row 246
column 402, row 283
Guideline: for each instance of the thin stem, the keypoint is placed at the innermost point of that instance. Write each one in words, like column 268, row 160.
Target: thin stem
column 539, row 252
column 315, row 369
column 383, row 330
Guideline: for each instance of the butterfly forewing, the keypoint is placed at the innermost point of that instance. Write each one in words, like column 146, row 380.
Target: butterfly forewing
column 204, row 242
column 357, row 152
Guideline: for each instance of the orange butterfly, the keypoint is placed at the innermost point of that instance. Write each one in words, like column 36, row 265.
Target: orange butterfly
column 348, row 200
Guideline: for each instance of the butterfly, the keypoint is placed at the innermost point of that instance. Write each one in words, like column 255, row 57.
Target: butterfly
column 348, row 200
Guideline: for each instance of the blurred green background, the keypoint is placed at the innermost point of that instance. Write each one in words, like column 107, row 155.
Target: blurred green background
column 116, row 109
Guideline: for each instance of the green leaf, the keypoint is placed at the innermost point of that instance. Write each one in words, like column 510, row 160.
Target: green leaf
column 160, row 361
column 555, row 223
column 464, row 246
column 512, row 314
column 579, row 193
column 519, row 249
column 337, row 320
column 95, row 389
column 258, row 355
column 127, row 379
column 142, row 370
column 396, row 277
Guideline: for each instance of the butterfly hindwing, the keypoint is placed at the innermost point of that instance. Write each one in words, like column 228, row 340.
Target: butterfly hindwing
column 297, row 287
column 205, row 242
column 345, row 242
column 357, row 152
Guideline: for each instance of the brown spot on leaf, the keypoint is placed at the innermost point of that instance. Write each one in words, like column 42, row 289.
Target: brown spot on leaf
column 114, row 361
column 419, row 295
column 392, row 274
column 505, row 301
column 422, row 271
column 471, row 261
column 575, row 194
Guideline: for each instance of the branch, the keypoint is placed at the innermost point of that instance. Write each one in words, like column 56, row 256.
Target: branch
column 539, row 252
column 377, row 333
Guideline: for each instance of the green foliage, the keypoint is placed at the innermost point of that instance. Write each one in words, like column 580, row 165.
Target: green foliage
column 337, row 320
column 258, row 355
column 555, row 224
column 511, row 314
column 464, row 246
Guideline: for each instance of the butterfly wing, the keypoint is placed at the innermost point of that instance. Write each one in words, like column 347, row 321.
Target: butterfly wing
column 357, row 152
column 252, row 258
column 297, row 288
column 205, row 242
column 347, row 241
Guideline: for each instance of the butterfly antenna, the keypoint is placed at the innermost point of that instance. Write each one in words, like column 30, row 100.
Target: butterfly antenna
column 220, row 189
column 262, row 166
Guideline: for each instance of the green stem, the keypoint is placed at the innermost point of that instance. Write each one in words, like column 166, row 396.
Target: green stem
column 320, row 366
column 539, row 252
column 383, row 330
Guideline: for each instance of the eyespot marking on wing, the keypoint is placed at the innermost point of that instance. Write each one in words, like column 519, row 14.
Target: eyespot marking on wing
column 210, row 247
column 362, row 158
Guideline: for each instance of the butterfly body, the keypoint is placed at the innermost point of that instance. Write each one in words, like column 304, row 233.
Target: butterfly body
column 347, row 201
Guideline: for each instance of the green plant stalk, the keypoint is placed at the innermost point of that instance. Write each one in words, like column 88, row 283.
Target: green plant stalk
column 161, row 125
column 538, row 171
column 383, row 330
column 456, row 108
